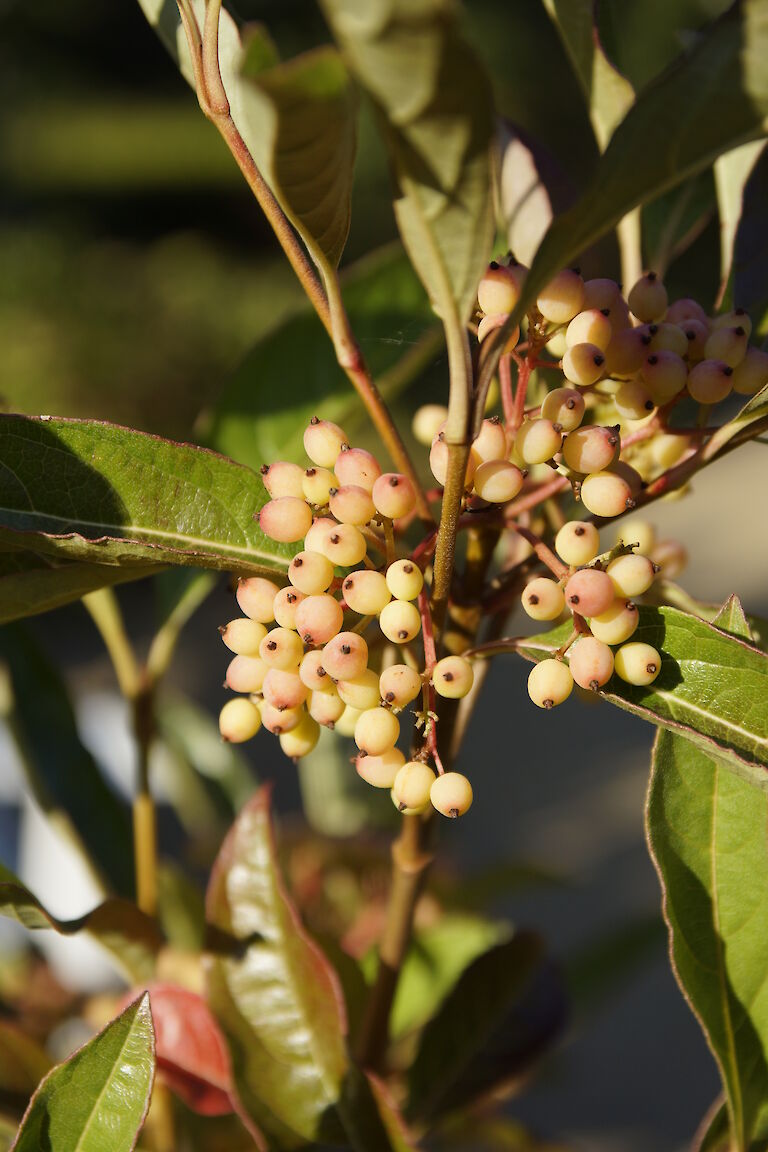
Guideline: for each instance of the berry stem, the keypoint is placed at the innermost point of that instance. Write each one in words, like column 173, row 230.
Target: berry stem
column 545, row 554
column 507, row 394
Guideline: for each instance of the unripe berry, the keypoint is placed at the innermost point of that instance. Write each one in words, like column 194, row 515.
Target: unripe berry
column 710, row 381
column 601, row 293
column 606, row 494
column 283, row 479
column 498, row 481
column 562, row 298
column 284, row 689
column 499, row 289
column 451, row 794
column 564, row 406
column 617, row 624
column 279, row 720
column 362, row 692
column 669, row 338
column 399, row 685
column 590, row 662
column 453, row 677
column 345, row 725
column 404, row 579
column 664, row 374
column 686, row 309
column 666, row 449
column 671, row 557
column 427, row 422
column 286, row 606
column 412, row 786
column 543, row 599
column 352, row 505
column 638, row 532
column 380, row 771
column 256, row 597
column 239, row 720
column 556, row 345
column 752, row 374
column 317, row 486
column 638, row 663
column 400, row 621
column 728, row 345
column 246, row 674
column 358, row 467
column 286, row 519
column 577, row 543
column 626, row 352
column 393, row 495
column 537, row 441
column 589, row 592
column 491, row 441
column 631, row 575
column 376, row 731
column 489, row 324
column 310, row 572
column 583, row 364
column 590, row 327
column 319, row 618
column 315, row 538
column 312, row 673
column 323, row 442
column 302, row 739
column 366, row 592
column 549, row 683
column 591, row 448
column 630, row 476
column 739, row 317
column 326, row 707
column 343, row 545
column 346, row 656
column 648, row 298
column 243, row 636
column 633, row 400
column 696, row 335
column 281, row 648
column 439, row 456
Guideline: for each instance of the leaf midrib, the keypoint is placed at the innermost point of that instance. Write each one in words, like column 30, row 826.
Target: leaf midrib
column 107, row 1083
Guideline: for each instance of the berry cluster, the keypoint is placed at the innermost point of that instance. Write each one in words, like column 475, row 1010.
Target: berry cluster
column 301, row 660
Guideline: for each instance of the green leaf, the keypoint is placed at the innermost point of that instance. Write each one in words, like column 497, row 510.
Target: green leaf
column 98, row 492
column 60, row 772
column 714, row 1134
column 711, row 687
column 699, row 126
column 751, row 249
column 31, row 584
column 292, row 373
column 436, row 107
column 732, row 170
column 97, row 1100
column 132, row 938
column 674, row 221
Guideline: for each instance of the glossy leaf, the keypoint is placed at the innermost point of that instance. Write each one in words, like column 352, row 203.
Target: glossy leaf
column 436, row 108
column 97, row 1100
column 98, row 492
column 132, row 938
column 59, row 770
column 711, row 687
column 31, row 584
column 732, row 170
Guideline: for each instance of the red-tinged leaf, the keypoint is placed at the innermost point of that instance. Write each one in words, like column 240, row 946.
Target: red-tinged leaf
column 400, row 1137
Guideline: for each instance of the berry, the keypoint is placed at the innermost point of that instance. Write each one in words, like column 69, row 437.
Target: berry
column 315, row 537
column 499, row 289
column 601, row 293
column 346, row 656
column 665, row 375
column 671, row 557
column 438, row 462
column 239, row 720
column 412, row 786
column 498, row 481
column 317, row 486
column 399, row 685
column 633, row 400
column 427, row 422
column 590, row 662
column 669, row 338
column 752, row 373
column 358, row 467
column 491, row 323
column 284, row 689
column 590, row 327
column 362, row 692
column 630, row 475
column 631, row 575
column 647, row 298
column 638, row 663
column 453, row 677
column 323, row 441
column 281, row 648
column 319, row 619
column 606, row 494
column 686, row 309
column 537, row 441
column 589, row 592
column 640, row 533
column 583, row 364
column 562, row 298
column 286, row 605
column 710, row 381
column 310, row 572
column 737, row 318
column 279, row 720
column 617, row 624
column 343, row 545
column 246, row 674
column 728, row 345
column 313, row 674
column 366, row 592
column 491, row 441
column 352, row 505
column 591, row 449
column 451, row 794
column 256, row 597
column 286, row 519
column 302, row 739
column 626, row 352
column 243, row 636
column 549, row 683
column 393, row 495
column 326, row 707
column 564, row 406
column 696, row 334
column 404, row 579
column 400, row 621
column 345, row 725
column 543, row 599
column 577, row 543
column 283, row 479
column 380, row 771
column 376, row 731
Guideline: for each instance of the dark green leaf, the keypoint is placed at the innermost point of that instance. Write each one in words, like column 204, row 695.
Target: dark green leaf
column 732, row 171
column 675, row 220
column 98, row 492
column 60, row 772
column 642, row 48
column 31, row 584
column 132, row 938
column 437, row 111
column 750, row 253
column 97, row 1100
